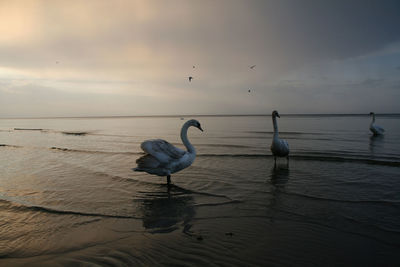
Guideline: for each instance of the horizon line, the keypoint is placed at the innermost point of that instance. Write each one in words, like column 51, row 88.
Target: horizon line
column 198, row 115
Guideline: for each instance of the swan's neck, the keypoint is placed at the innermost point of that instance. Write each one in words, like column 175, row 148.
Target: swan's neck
column 185, row 139
column 373, row 118
column 275, row 123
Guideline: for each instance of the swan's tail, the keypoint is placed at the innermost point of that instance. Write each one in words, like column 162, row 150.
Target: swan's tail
column 146, row 162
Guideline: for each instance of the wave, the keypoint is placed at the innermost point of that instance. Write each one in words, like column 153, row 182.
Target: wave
column 94, row 133
column 217, row 204
column 284, row 133
column 246, row 137
column 388, row 162
column 356, row 201
column 113, row 135
column 175, row 190
column 235, row 155
column 69, row 212
column 379, row 227
column 77, row 150
column 224, row 145
column 23, row 208
column 5, row 145
column 343, row 156
column 94, row 151
column 75, row 133
column 184, row 190
column 9, row 203
column 298, row 217
column 28, row 129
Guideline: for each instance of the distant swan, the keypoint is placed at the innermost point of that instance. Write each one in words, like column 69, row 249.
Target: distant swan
column 279, row 147
column 163, row 159
column 375, row 129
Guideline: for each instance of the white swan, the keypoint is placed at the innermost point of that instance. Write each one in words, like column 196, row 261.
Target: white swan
column 163, row 159
column 375, row 129
column 279, row 147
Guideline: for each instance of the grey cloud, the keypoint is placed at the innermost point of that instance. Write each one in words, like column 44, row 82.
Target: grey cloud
column 116, row 47
column 335, row 29
column 287, row 33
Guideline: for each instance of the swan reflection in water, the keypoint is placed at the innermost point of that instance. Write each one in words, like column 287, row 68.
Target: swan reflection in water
column 166, row 208
column 376, row 143
column 278, row 178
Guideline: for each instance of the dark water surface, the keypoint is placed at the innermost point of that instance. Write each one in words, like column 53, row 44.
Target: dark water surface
column 68, row 195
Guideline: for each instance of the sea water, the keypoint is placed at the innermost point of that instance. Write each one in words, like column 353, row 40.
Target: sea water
column 68, row 195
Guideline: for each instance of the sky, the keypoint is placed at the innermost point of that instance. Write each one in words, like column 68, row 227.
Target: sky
column 123, row 58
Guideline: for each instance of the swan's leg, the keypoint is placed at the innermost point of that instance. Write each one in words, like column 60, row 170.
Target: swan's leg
column 169, row 190
column 168, row 179
column 275, row 162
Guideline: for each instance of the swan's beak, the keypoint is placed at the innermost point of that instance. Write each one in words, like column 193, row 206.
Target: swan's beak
column 200, row 128
column 278, row 115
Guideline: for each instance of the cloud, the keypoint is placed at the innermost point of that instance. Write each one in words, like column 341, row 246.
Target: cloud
column 134, row 57
column 101, row 34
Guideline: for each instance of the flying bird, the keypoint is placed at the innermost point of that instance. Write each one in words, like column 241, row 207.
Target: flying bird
column 164, row 159
column 190, row 78
column 279, row 147
column 252, row 67
column 249, row 91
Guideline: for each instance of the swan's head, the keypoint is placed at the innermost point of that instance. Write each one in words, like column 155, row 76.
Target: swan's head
column 371, row 113
column 194, row 123
column 275, row 114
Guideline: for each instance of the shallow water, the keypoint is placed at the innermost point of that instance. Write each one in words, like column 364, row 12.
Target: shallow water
column 68, row 195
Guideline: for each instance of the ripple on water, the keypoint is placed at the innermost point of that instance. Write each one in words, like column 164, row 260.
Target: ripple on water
column 236, row 210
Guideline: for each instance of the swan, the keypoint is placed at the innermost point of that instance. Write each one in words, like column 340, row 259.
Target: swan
column 163, row 159
column 279, row 147
column 375, row 129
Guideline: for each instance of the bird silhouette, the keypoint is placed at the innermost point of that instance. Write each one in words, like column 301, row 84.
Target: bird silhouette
column 190, row 78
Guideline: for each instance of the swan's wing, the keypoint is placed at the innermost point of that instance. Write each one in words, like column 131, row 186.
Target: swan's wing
column 280, row 147
column 284, row 147
column 376, row 129
column 163, row 151
column 379, row 128
column 285, row 143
